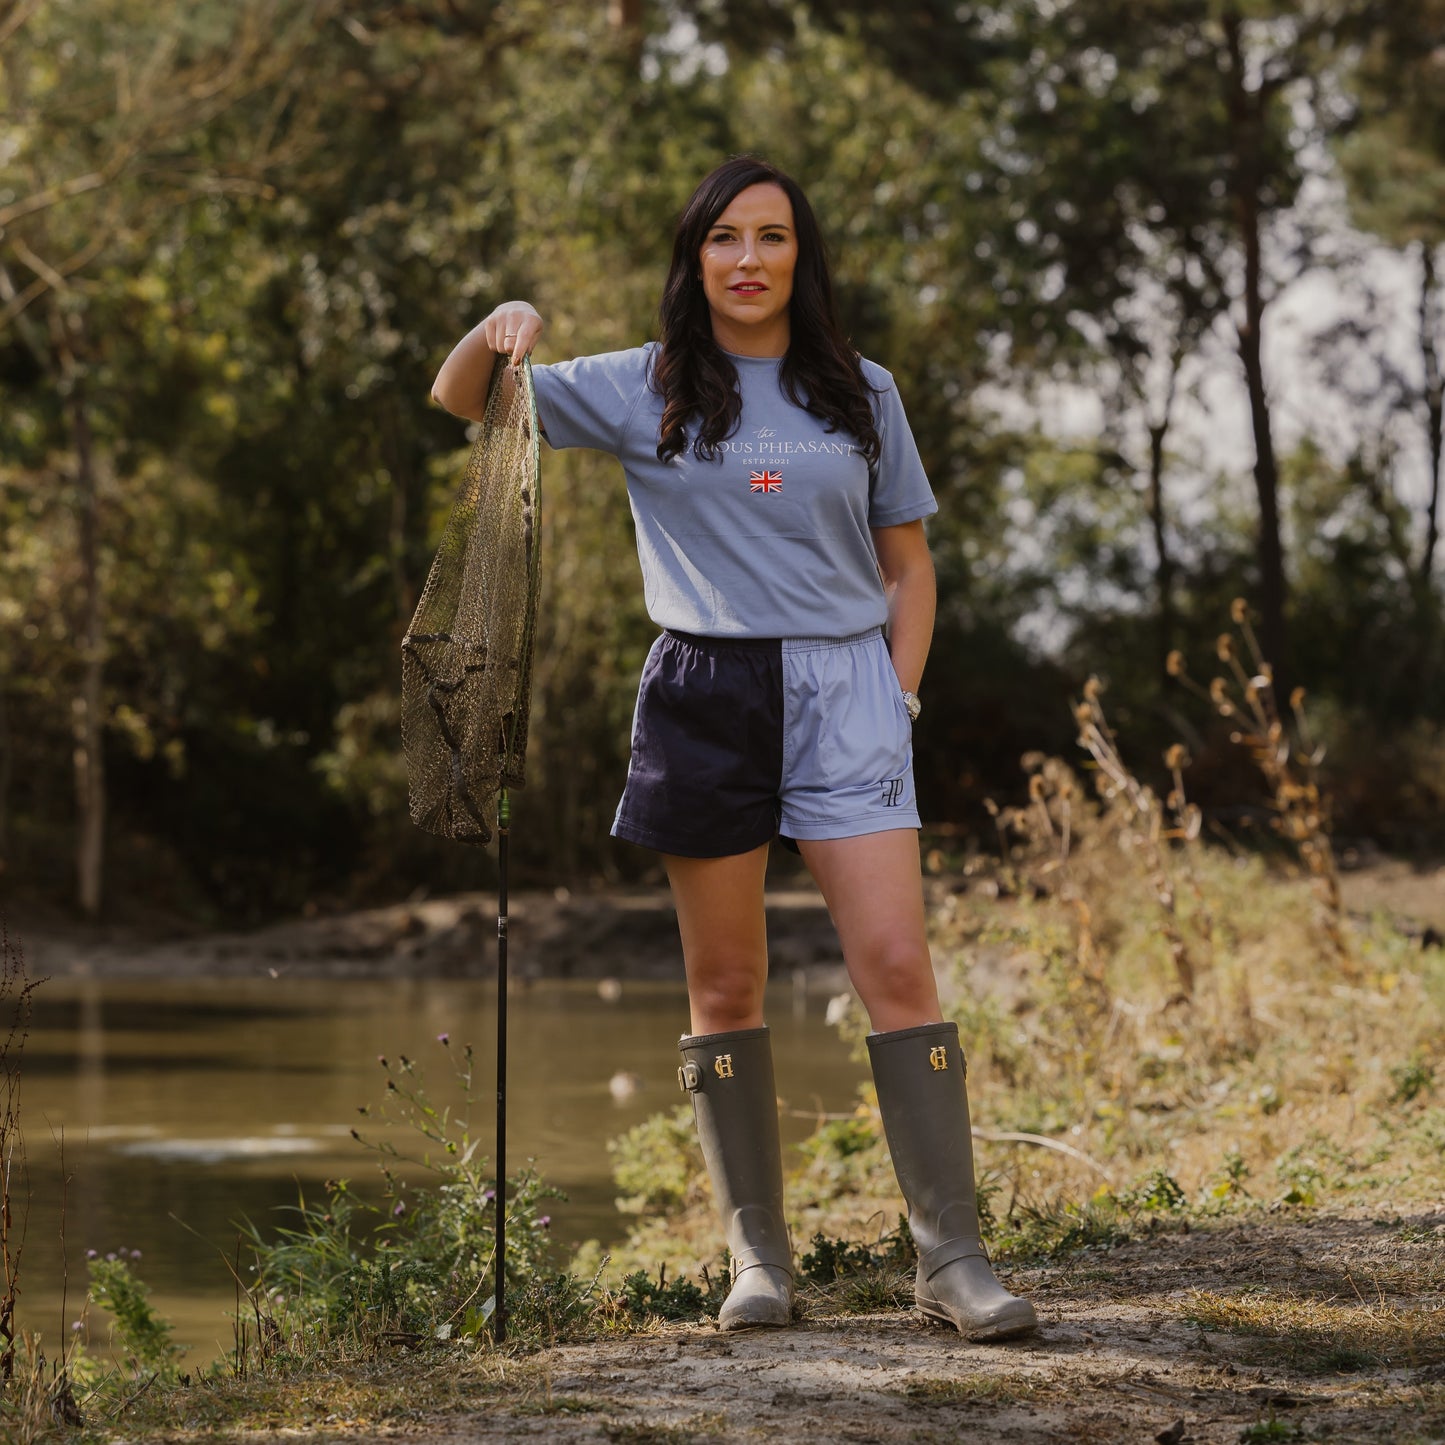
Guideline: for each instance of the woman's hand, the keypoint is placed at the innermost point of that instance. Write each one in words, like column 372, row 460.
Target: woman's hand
column 461, row 385
column 513, row 329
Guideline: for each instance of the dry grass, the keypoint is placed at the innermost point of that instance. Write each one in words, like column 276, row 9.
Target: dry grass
column 694, row 1430
column 1307, row 1334
column 991, row 1388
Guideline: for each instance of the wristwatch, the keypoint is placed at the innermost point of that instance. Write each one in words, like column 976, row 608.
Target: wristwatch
column 911, row 702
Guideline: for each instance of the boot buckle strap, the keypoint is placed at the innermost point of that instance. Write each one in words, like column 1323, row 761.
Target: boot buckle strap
column 689, row 1078
column 942, row 1255
column 758, row 1258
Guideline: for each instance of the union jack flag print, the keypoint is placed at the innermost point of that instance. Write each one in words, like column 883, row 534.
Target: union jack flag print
column 765, row 482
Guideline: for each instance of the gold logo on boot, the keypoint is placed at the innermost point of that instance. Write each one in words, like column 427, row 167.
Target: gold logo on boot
column 938, row 1057
column 723, row 1066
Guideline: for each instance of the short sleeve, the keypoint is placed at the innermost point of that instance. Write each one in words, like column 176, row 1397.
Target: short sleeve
column 588, row 402
column 899, row 490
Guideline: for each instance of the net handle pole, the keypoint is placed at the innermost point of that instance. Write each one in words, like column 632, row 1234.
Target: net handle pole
column 504, row 819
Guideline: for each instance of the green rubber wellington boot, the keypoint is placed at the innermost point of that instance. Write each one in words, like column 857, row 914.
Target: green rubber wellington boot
column 730, row 1078
column 919, row 1074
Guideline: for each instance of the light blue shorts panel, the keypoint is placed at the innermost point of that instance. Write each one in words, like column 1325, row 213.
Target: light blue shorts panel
column 847, row 740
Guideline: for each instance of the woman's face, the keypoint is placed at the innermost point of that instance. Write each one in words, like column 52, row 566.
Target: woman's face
column 747, row 265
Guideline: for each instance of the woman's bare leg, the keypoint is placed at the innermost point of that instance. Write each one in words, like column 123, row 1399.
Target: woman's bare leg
column 728, row 1070
column 873, row 887
column 719, row 905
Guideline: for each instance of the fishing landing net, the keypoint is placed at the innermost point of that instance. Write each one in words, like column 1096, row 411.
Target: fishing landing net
column 467, row 656
column 466, row 674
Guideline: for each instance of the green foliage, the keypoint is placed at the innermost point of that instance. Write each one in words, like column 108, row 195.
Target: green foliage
column 830, row 1260
column 1411, row 1079
column 1057, row 1231
column 862, row 1277
column 842, row 1155
column 657, row 1163
column 1271, row 1429
column 143, row 1336
column 1157, row 1193
column 421, row 1262
column 646, row 1298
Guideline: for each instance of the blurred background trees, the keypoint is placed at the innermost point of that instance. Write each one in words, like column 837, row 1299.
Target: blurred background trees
column 1160, row 283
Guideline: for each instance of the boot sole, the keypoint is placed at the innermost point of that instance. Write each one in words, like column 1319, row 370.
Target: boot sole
column 1004, row 1329
column 741, row 1322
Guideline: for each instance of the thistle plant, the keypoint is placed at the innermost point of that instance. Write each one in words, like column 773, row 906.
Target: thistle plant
column 1246, row 698
column 1149, row 825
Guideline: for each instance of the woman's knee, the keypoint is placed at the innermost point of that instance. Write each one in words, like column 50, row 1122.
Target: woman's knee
column 895, row 971
column 725, row 997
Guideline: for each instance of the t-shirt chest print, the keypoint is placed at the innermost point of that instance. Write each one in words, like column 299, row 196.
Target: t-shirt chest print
column 762, row 458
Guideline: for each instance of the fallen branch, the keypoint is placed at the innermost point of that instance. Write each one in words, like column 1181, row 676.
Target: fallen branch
column 995, row 1136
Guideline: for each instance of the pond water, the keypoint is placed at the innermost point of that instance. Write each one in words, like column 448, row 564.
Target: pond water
column 157, row 1115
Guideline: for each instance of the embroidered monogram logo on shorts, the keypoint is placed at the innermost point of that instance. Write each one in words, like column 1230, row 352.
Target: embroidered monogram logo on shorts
column 765, row 482
column 723, row 1066
column 892, row 792
column 938, row 1057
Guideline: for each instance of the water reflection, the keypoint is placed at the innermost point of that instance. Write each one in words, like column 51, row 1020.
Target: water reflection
column 157, row 1116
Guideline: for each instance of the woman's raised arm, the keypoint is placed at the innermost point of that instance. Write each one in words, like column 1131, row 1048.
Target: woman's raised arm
column 461, row 385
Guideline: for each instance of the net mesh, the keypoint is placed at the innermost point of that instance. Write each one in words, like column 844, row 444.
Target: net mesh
column 467, row 656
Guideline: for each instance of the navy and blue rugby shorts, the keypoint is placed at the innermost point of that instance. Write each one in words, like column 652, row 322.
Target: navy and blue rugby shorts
column 735, row 740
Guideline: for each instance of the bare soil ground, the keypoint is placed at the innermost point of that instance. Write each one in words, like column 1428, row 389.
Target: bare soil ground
column 1280, row 1328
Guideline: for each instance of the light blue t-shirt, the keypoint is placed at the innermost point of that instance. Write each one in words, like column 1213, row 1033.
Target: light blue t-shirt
column 769, row 539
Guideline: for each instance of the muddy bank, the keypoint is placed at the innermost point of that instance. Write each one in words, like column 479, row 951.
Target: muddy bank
column 625, row 934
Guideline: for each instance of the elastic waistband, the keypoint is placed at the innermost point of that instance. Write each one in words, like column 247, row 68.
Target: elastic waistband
column 825, row 644
column 725, row 644
column 771, row 644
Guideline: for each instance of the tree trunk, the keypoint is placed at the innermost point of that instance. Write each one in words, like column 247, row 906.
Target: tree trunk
column 7, row 772
column 87, row 706
column 1246, row 116
column 1434, row 407
column 1163, row 562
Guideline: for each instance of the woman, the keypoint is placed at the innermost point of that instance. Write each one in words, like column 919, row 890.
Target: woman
column 778, row 498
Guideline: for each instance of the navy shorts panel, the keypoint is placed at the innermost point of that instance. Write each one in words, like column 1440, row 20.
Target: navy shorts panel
column 707, row 748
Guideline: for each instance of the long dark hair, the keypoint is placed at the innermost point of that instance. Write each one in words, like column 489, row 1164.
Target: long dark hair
column 697, row 380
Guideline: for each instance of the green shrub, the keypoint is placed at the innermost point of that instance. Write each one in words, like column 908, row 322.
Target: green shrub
column 141, row 1333
column 657, row 1163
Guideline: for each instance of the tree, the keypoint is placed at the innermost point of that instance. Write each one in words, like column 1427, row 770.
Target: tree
column 1393, row 161
column 103, row 157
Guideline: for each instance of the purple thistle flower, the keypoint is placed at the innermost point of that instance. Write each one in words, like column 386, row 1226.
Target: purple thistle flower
column 92, row 1254
column 488, row 1195
column 444, row 1039
column 545, row 1221
column 135, row 1254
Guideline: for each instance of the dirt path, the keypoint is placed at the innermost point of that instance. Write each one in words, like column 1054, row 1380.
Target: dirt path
column 1297, row 1329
